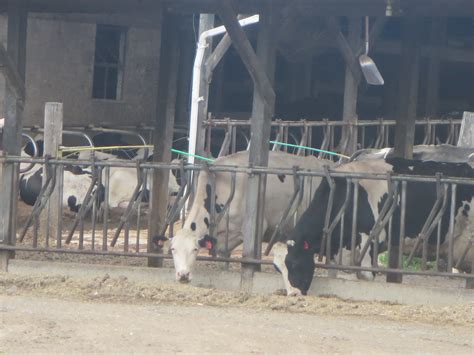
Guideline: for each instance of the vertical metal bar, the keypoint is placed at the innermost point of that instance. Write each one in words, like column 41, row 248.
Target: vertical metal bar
column 227, row 220
column 146, row 172
column 59, row 222
column 354, row 221
column 234, row 139
column 81, row 233
column 452, row 212
column 126, row 237
column 35, row 231
column 403, row 205
column 341, row 239
column 363, row 137
column 14, row 202
column 212, row 226
column 105, row 217
column 94, row 208
column 390, row 236
column 47, row 228
column 438, row 244
column 208, row 140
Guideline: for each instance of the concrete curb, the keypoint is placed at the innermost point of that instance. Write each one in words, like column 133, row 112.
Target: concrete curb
column 264, row 283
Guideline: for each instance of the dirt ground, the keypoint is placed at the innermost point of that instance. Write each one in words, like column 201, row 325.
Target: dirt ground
column 105, row 314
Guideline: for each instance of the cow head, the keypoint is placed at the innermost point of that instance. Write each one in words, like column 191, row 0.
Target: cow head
column 194, row 235
column 300, row 264
column 185, row 246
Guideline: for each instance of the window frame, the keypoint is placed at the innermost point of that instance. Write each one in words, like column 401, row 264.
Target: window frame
column 108, row 66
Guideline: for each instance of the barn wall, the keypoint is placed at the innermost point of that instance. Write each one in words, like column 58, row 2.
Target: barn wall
column 60, row 57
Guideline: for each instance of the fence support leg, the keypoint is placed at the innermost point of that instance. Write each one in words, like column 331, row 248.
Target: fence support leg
column 13, row 113
column 53, row 131
column 407, row 104
column 263, row 110
column 163, row 134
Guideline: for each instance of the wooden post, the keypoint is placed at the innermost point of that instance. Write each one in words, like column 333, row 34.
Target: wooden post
column 13, row 113
column 437, row 41
column 407, row 107
column 53, row 134
column 164, row 124
column 258, row 155
column 206, row 22
column 351, row 87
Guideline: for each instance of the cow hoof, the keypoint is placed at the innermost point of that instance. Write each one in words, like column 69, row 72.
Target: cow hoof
column 365, row 275
column 280, row 292
column 293, row 293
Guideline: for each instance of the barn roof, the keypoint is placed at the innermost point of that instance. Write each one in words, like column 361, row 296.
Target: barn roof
column 333, row 7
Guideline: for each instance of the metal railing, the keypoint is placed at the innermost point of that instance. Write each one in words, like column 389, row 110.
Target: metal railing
column 326, row 134
column 97, row 228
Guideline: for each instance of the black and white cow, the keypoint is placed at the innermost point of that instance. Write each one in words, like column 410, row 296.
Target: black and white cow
column 279, row 190
column 443, row 153
column 76, row 183
column 122, row 181
column 305, row 239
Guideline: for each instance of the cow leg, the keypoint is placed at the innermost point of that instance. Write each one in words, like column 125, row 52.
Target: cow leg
column 279, row 254
column 366, row 261
column 235, row 239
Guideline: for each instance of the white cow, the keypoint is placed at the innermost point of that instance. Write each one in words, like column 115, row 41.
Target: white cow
column 280, row 188
column 124, row 180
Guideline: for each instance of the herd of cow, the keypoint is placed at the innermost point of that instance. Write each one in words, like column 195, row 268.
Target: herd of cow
column 299, row 242
column 294, row 255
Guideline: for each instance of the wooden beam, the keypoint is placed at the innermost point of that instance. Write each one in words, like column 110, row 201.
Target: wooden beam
column 262, row 115
column 407, row 110
column 345, row 49
column 408, row 88
column 163, row 134
column 53, row 139
column 13, row 113
column 246, row 52
column 351, row 92
column 216, row 56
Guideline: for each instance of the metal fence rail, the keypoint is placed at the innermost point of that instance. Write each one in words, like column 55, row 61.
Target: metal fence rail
column 326, row 134
column 100, row 229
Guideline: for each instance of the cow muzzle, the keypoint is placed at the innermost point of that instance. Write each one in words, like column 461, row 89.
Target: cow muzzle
column 183, row 276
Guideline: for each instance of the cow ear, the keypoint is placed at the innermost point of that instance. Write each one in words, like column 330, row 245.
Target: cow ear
column 306, row 245
column 159, row 241
column 208, row 242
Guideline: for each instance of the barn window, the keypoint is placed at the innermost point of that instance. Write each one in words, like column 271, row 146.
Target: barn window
column 108, row 62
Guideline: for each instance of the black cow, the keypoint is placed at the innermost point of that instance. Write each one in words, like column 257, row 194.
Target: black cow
column 306, row 238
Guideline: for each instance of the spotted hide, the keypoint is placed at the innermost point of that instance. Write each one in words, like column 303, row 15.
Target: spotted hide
column 195, row 232
column 76, row 182
column 305, row 240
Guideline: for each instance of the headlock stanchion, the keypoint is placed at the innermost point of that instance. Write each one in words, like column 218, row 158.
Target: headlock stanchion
column 88, row 232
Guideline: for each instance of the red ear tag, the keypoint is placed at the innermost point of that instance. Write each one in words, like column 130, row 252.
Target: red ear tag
column 208, row 245
column 305, row 245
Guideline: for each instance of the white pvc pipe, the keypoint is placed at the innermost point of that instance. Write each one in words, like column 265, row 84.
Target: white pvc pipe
column 197, row 71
